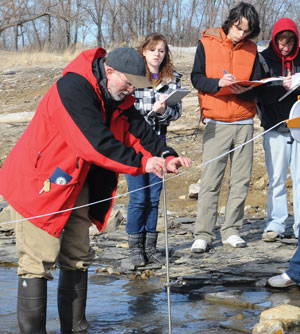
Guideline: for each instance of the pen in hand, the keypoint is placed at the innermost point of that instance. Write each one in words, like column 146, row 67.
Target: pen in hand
column 228, row 77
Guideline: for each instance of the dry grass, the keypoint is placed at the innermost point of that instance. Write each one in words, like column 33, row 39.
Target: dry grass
column 10, row 59
column 13, row 59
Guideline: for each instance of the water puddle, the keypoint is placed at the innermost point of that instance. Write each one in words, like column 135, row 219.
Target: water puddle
column 122, row 306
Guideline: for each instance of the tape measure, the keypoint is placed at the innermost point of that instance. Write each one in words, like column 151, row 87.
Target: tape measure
column 293, row 123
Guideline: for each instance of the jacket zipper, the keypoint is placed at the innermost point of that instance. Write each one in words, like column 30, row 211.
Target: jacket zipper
column 37, row 159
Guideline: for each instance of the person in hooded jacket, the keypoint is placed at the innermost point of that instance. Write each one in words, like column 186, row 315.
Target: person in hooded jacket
column 84, row 133
column 281, row 151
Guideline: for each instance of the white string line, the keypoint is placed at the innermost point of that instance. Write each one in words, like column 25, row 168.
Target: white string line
column 129, row 192
column 223, row 154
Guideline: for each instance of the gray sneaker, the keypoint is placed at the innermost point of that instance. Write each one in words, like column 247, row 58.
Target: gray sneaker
column 270, row 236
column 281, row 281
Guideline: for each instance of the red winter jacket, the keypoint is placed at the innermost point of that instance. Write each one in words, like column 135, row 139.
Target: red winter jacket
column 85, row 136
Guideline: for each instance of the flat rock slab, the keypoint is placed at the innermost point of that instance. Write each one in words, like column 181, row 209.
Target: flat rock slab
column 249, row 266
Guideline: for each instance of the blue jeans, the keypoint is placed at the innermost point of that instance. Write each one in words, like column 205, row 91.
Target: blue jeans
column 143, row 204
column 294, row 268
column 279, row 154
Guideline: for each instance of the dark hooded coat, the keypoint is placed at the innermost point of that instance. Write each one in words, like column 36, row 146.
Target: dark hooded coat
column 272, row 111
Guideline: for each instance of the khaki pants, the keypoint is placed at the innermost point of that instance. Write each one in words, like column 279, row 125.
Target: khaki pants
column 39, row 251
column 217, row 140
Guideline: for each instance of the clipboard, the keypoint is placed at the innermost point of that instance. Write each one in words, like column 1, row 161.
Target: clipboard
column 173, row 98
column 176, row 96
column 247, row 83
column 295, row 85
column 288, row 92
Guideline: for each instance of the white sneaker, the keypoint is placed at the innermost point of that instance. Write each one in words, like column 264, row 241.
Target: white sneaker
column 281, row 281
column 199, row 246
column 235, row 241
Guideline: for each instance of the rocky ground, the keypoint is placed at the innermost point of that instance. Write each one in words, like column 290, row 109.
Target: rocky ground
column 21, row 89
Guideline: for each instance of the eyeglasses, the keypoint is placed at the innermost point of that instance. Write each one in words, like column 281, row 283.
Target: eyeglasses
column 127, row 83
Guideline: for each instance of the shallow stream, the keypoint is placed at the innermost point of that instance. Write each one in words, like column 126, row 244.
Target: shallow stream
column 123, row 306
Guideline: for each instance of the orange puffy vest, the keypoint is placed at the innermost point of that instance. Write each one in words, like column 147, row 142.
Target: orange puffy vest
column 239, row 61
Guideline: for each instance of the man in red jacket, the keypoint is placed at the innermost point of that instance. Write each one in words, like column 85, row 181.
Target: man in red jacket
column 84, row 133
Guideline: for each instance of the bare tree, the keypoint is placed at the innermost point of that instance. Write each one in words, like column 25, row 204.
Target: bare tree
column 95, row 10
column 10, row 13
column 16, row 14
column 59, row 24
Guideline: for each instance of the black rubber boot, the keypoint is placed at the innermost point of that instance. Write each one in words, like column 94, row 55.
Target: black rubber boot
column 151, row 252
column 71, row 300
column 136, row 249
column 32, row 305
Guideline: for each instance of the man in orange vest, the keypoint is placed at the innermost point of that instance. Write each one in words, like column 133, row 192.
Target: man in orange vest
column 224, row 55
